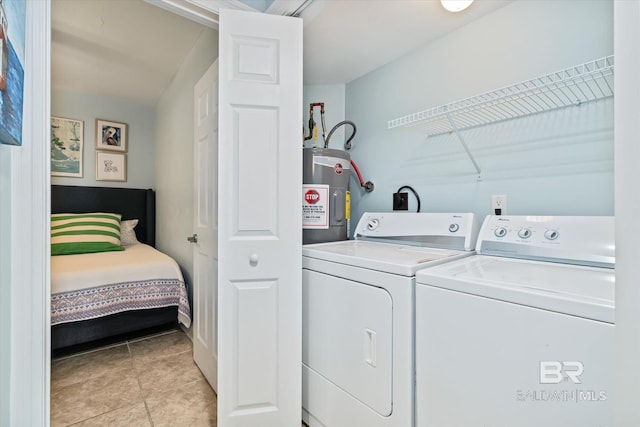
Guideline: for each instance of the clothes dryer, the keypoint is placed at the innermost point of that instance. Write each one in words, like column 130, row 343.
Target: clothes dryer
column 521, row 333
column 358, row 315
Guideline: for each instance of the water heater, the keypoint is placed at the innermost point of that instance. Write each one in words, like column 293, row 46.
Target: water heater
column 325, row 195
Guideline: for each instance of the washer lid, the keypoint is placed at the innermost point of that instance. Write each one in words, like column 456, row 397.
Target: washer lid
column 587, row 292
column 404, row 260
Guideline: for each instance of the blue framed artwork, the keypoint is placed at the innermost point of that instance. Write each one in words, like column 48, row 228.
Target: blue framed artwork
column 67, row 145
column 12, row 34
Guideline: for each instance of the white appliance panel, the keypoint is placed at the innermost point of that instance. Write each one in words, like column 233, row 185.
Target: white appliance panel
column 348, row 337
column 386, row 257
column 325, row 403
column 568, row 239
column 358, row 316
column 481, row 364
column 582, row 291
column 446, row 230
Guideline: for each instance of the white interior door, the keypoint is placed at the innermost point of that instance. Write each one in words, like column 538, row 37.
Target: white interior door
column 205, row 240
column 260, row 220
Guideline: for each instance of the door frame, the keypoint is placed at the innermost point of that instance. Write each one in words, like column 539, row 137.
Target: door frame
column 24, row 398
column 206, row 12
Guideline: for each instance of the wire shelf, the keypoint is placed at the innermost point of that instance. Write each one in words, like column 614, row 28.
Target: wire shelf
column 573, row 86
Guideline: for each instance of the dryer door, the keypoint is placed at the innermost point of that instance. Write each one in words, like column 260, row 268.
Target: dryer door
column 347, row 337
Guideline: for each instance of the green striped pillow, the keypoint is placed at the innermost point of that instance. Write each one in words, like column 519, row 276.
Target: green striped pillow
column 85, row 233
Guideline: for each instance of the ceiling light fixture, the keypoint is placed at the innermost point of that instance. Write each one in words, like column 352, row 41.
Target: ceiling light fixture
column 456, row 5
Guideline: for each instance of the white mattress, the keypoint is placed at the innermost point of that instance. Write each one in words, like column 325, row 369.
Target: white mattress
column 87, row 286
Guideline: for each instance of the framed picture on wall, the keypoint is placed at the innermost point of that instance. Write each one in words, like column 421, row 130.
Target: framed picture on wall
column 111, row 135
column 12, row 57
column 66, row 147
column 111, row 166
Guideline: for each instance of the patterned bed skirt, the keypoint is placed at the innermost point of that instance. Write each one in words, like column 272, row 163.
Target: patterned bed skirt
column 104, row 300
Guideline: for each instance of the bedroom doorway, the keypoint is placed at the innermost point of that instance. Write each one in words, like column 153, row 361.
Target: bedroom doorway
column 141, row 157
column 265, row 291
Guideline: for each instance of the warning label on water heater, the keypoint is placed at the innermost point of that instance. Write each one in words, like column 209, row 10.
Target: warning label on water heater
column 315, row 206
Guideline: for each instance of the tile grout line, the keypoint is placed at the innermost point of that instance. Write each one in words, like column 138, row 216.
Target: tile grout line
column 129, row 347
column 159, row 334
column 83, row 353
column 144, row 400
column 115, row 345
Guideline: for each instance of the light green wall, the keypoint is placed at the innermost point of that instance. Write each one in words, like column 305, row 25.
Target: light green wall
column 174, row 154
column 5, row 281
column 140, row 120
column 558, row 163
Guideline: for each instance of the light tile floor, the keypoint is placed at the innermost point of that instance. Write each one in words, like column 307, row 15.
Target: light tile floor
column 151, row 381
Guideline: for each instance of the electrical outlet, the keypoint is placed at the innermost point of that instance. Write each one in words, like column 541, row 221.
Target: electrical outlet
column 499, row 204
column 400, row 201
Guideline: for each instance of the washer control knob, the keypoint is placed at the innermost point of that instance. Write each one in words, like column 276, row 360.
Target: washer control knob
column 551, row 234
column 372, row 224
column 524, row 233
column 454, row 227
column 500, row 232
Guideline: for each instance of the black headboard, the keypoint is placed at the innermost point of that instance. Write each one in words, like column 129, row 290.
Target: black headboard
column 131, row 203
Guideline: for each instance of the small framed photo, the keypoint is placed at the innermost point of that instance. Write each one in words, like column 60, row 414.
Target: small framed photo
column 111, row 166
column 111, row 135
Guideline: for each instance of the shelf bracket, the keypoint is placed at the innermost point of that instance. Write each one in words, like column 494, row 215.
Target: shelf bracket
column 464, row 145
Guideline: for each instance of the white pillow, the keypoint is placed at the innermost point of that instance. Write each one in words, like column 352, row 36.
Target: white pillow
column 127, row 232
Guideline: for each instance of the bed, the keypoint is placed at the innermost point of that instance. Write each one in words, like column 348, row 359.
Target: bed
column 111, row 291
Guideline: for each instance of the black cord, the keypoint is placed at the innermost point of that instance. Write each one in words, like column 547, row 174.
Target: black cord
column 414, row 193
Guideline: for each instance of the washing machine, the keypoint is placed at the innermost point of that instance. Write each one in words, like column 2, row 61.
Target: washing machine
column 521, row 333
column 358, row 315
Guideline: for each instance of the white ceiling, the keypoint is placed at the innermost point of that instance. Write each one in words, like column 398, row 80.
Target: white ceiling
column 121, row 48
column 346, row 39
column 131, row 49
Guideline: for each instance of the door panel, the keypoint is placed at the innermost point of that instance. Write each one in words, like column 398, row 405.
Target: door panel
column 205, row 250
column 256, row 182
column 255, row 306
column 260, row 220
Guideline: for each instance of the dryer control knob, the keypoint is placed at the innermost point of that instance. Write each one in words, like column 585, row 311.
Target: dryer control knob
column 500, row 232
column 372, row 224
column 551, row 234
column 524, row 233
column 454, row 227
